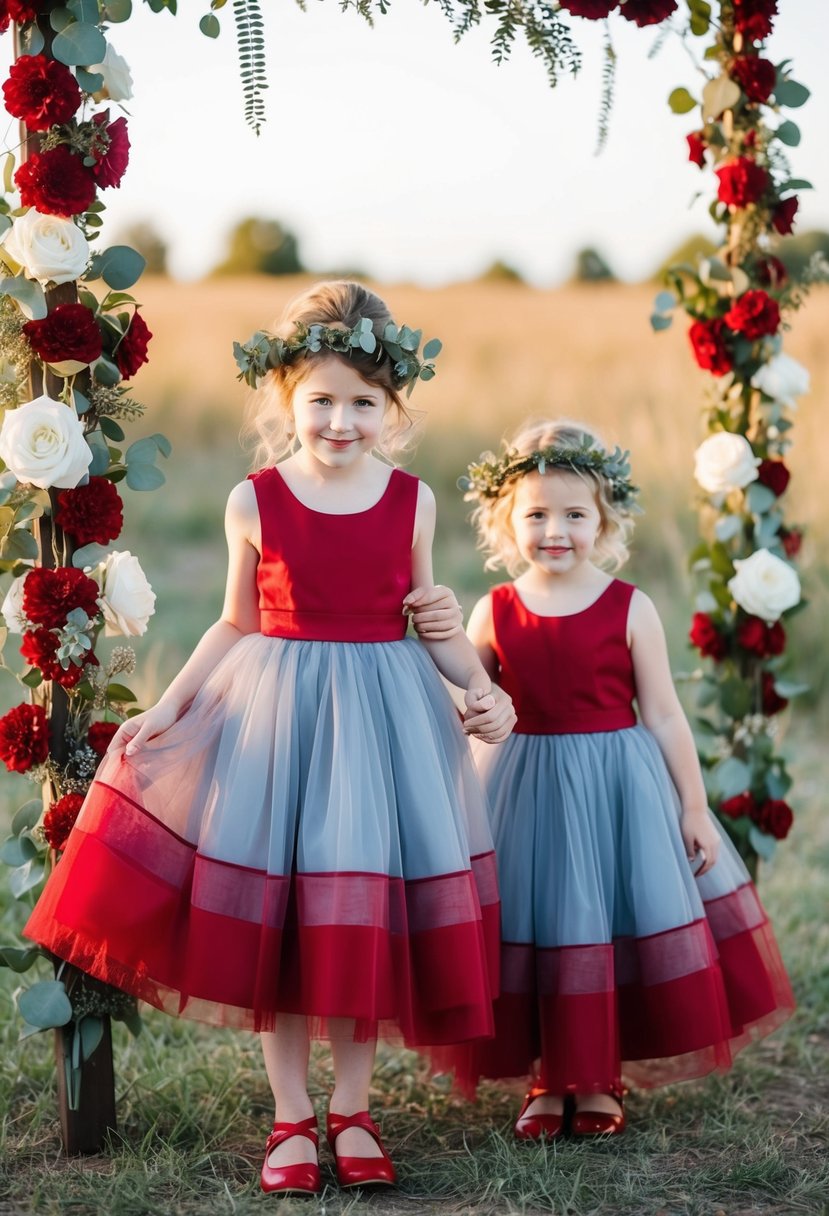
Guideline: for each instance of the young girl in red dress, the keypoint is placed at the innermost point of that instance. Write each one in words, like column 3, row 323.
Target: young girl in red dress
column 294, row 839
column 634, row 947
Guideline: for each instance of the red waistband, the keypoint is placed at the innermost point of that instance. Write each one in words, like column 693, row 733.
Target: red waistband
column 332, row 626
column 587, row 722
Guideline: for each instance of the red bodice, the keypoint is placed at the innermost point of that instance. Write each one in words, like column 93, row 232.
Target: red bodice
column 334, row 578
column 566, row 674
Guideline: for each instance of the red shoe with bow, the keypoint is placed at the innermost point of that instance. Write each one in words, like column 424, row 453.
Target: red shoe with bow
column 302, row 1178
column 360, row 1171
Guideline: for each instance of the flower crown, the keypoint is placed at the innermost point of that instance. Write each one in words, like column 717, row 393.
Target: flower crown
column 487, row 475
column 263, row 351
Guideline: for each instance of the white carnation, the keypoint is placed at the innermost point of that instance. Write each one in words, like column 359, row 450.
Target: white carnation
column 42, row 443
column 127, row 599
column 783, row 379
column 115, row 70
column 50, row 248
column 725, row 461
column 765, row 585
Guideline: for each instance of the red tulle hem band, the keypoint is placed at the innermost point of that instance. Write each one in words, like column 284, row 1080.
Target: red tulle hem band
column 648, row 1012
column 137, row 907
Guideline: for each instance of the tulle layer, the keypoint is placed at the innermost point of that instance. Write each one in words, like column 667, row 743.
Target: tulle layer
column 289, row 853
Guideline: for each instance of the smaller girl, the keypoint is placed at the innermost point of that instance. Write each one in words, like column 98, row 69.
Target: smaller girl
column 633, row 942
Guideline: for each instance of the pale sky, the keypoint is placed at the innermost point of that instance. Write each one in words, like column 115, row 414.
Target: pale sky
column 396, row 151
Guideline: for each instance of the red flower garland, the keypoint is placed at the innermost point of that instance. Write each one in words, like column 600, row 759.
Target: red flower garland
column 775, row 818
column 21, row 11
column 100, row 736
column 707, row 638
column 55, row 182
column 753, row 18
column 648, row 12
column 782, row 218
column 772, row 702
column 696, row 148
column 754, row 314
column 756, row 77
column 50, row 595
column 131, row 351
column 593, row 10
column 759, row 638
column 24, row 738
column 91, row 514
column 739, row 805
column 774, row 474
column 60, row 819
column 112, row 160
column 69, row 332
column 41, row 91
column 39, row 649
column 707, row 340
column 742, row 182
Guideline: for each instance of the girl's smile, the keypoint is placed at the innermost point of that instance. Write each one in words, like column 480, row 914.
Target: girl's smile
column 555, row 520
column 338, row 416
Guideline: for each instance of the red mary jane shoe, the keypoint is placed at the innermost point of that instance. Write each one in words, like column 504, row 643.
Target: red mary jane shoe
column 303, row 1178
column 539, row 1126
column 599, row 1122
column 360, row 1171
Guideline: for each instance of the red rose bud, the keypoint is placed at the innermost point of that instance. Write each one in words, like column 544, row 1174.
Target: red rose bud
column 742, row 182
column 24, row 738
column 773, row 703
column 754, row 314
column 60, row 819
column 753, row 18
column 739, row 805
column 774, row 474
column 782, row 217
column 696, row 148
column 131, row 351
column 111, row 151
column 707, row 638
column 791, row 539
column 91, row 514
column 648, row 12
column 55, row 182
column 69, row 332
column 759, row 638
column 775, row 818
column 100, row 736
column 50, row 595
column 41, row 91
column 771, row 272
column 594, row 10
column 708, row 344
column 755, row 76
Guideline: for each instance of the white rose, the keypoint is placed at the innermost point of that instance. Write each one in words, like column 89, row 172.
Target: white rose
column 12, row 608
column 50, row 248
column 725, row 462
column 117, row 79
column 42, row 443
column 783, row 379
column 765, row 585
column 127, row 599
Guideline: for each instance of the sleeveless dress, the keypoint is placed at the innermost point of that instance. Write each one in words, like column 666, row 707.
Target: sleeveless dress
column 310, row 836
column 616, row 963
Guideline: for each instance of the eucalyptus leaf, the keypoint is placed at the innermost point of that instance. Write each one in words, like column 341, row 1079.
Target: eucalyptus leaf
column 719, row 95
column 731, row 777
column 778, row 783
column 32, row 40
column 143, row 476
column 105, row 372
column 735, row 697
column 19, row 545
column 24, row 878
column 659, row 321
column 91, row 1032
column 705, row 602
column 788, row 133
column 119, row 266
column 116, row 11
column 759, row 498
column 29, row 295
column 82, row 403
column 119, row 692
column 60, row 17
column 681, row 101
column 89, row 555
column 791, row 93
column 209, row 26
column 100, row 454
column 90, row 82
column 84, row 10
column 783, row 688
column 33, row 678
column 111, row 429
column 17, row 850
column 728, row 526
column 432, row 348
column 665, row 301
column 764, row 846
column 45, row 1004
column 18, row 958
column 27, row 815
column 5, row 223
column 79, row 43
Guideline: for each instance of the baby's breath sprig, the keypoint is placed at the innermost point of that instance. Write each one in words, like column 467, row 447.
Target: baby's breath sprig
column 486, row 476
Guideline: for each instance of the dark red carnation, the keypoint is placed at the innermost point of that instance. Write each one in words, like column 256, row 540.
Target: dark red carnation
column 740, row 804
column 753, row 18
column 761, row 639
column 791, row 539
column 50, row 595
column 55, row 182
column 100, row 736
column 771, row 272
column 594, row 10
column 749, row 138
column 41, row 91
column 774, row 474
column 648, row 12
column 60, row 819
column 696, row 148
column 742, row 181
column 39, row 649
column 111, row 150
column 772, row 701
column 69, row 332
column 707, row 638
column 754, row 314
column 775, row 818
column 755, row 76
column 708, row 344
column 782, row 217
column 24, row 737
column 20, row 11
column 91, row 514
column 131, row 351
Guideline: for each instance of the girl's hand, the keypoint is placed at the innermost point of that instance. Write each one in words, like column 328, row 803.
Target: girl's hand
column 701, row 839
column 489, row 716
column 436, row 614
column 132, row 734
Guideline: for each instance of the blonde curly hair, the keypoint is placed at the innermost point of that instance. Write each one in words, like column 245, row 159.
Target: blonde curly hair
column 492, row 516
column 268, row 424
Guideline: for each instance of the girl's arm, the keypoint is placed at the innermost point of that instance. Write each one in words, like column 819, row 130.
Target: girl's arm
column 240, row 616
column 663, row 715
column 481, row 633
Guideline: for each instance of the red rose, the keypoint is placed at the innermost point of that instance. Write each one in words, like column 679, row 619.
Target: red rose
column 771, row 272
column 24, row 737
column 91, row 514
column 41, row 91
column 772, row 701
column 594, row 10
column 774, row 474
column 131, row 351
column 111, row 150
column 39, row 649
column 753, row 18
column 742, row 181
column 759, row 638
column 754, row 314
column 708, row 344
column 55, row 182
column 648, row 12
column 696, row 148
column 775, row 818
column 755, row 76
column 59, row 820
column 69, row 332
column 50, row 595
column 707, row 638
column 20, row 11
column 740, row 804
column 100, row 736
column 782, row 217
column 791, row 540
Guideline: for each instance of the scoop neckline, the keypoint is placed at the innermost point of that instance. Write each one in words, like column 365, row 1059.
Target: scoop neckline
column 562, row 616
column 336, row 514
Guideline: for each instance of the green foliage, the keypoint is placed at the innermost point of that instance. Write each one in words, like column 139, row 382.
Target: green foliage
column 250, row 40
column 501, row 272
column 591, row 267
column 260, row 246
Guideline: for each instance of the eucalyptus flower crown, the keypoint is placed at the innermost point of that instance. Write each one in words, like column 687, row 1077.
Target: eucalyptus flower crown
column 486, row 477
column 256, row 357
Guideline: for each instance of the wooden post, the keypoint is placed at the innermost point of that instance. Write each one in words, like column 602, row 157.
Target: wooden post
column 85, row 1130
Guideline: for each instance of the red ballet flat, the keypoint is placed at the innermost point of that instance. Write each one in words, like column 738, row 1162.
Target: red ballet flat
column 539, row 1126
column 599, row 1122
column 360, row 1171
column 302, row 1178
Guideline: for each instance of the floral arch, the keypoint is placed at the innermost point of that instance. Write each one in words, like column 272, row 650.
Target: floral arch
column 72, row 337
